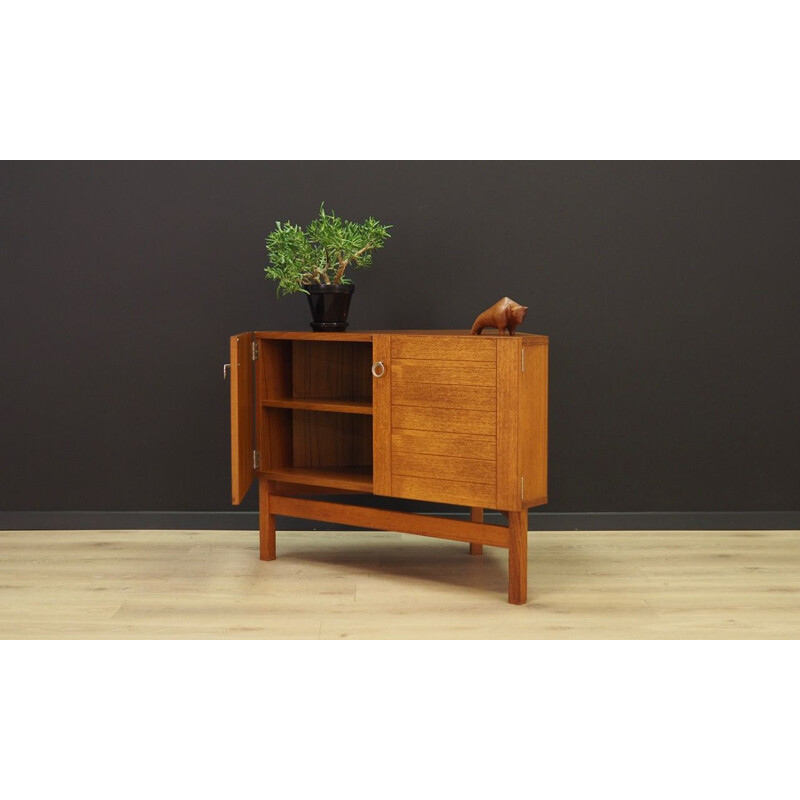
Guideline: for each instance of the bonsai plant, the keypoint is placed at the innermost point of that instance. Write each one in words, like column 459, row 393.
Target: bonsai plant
column 314, row 261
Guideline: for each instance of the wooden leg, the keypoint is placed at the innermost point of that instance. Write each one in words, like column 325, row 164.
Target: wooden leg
column 518, row 557
column 476, row 515
column 266, row 522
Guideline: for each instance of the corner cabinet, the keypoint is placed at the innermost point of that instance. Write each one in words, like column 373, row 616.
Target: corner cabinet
column 423, row 415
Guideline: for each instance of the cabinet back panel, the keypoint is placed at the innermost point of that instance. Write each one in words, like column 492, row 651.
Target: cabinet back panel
column 331, row 369
column 323, row 439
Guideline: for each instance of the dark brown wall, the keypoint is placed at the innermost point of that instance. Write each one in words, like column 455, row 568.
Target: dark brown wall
column 669, row 290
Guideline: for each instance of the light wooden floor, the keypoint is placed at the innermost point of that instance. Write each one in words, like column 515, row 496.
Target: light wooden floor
column 378, row 585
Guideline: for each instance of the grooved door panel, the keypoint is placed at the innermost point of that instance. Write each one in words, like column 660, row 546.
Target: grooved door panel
column 435, row 490
column 420, row 370
column 444, row 419
column 434, row 395
column 448, row 420
column 444, row 348
column 453, row 468
column 458, row 445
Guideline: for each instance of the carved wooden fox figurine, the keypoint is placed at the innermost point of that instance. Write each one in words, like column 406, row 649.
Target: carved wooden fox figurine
column 504, row 315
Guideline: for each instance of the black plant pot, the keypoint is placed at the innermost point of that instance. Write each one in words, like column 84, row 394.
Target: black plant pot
column 329, row 306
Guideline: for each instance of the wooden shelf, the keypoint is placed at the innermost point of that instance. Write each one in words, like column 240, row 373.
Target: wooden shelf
column 357, row 479
column 342, row 405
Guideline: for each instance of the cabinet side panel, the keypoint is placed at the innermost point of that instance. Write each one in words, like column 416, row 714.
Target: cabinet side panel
column 274, row 370
column 274, row 437
column 273, row 425
column 533, row 424
column 382, row 416
column 509, row 367
column 241, row 416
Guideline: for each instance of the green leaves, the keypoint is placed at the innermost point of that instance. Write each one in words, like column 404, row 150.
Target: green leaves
column 322, row 252
column 291, row 258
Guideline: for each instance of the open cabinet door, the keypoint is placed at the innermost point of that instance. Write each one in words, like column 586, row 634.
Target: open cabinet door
column 241, row 415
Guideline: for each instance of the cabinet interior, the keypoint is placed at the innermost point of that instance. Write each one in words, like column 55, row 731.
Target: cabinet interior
column 315, row 407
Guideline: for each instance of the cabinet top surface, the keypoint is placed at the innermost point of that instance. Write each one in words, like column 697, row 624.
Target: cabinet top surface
column 366, row 336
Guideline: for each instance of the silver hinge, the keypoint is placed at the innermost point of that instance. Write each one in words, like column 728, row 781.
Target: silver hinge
column 256, row 459
column 523, row 359
column 522, row 486
column 256, row 348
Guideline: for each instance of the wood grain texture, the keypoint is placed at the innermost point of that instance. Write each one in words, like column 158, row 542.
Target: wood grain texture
column 533, row 403
column 449, row 420
column 442, row 424
column 355, row 479
column 382, row 417
column 241, row 416
column 266, row 522
column 299, row 336
column 442, row 348
column 435, row 490
column 444, row 443
column 430, row 395
column 274, row 370
column 370, row 585
column 353, row 406
column 293, row 489
column 442, row 528
column 419, row 370
column 330, row 439
column 369, row 335
column 475, row 515
column 333, row 370
column 275, row 437
column 451, row 468
column 518, row 557
column 273, row 427
column 449, row 391
column 509, row 366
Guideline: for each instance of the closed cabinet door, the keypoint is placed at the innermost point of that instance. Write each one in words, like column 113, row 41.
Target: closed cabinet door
column 435, row 418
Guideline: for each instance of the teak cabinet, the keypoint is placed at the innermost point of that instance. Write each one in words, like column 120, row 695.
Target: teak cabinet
column 424, row 415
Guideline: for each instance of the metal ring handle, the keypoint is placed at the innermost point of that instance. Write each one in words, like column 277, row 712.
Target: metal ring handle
column 375, row 366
